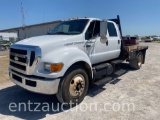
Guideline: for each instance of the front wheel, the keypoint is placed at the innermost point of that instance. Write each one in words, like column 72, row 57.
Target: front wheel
column 73, row 87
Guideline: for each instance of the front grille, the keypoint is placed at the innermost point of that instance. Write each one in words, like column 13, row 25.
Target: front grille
column 22, row 58
column 21, row 67
column 18, row 60
column 23, row 52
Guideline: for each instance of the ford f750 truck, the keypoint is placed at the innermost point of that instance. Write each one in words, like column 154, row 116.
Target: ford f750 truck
column 71, row 56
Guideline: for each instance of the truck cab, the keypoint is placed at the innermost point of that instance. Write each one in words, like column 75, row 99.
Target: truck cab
column 72, row 55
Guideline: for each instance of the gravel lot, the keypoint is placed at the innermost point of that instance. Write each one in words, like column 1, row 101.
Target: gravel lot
column 139, row 89
column 3, row 53
column 4, row 66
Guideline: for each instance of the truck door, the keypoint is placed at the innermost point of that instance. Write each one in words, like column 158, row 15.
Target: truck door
column 97, row 51
column 114, row 40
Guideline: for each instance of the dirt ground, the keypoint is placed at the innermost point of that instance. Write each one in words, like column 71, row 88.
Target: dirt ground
column 139, row 89
column 4, row 62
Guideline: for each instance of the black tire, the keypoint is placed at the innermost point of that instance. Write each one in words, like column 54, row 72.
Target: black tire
column 64, row 95
column 137, row 62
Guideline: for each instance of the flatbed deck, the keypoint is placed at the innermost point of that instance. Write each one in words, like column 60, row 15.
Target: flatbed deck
column 134, row 48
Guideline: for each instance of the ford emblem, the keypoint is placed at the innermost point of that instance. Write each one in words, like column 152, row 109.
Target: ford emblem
column 16, row 58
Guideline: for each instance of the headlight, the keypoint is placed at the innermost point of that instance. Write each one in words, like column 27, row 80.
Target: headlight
column 55, row 67
column 47, row 66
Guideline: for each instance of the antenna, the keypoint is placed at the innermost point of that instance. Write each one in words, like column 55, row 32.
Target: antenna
column 43, row 21
column 23, row 17
column 23, row 20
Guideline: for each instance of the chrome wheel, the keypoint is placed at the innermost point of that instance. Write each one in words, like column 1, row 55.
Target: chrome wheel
column 77, row 85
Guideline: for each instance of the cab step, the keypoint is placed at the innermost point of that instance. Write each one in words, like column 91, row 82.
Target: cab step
column 115, row 63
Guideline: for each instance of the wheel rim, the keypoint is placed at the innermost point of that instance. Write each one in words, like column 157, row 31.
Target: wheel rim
column 139, row 60
column 77, row 85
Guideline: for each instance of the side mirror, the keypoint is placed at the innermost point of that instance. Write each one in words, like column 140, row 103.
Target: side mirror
column 103, row 31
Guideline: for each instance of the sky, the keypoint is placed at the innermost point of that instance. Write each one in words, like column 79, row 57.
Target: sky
column 138, row 17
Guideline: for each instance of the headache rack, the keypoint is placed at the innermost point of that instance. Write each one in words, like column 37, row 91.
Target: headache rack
column 118, row 22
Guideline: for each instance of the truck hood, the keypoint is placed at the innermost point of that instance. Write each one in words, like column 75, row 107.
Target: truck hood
column 46, row 40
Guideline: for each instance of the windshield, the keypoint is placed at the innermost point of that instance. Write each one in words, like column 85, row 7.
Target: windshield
column 69, row 27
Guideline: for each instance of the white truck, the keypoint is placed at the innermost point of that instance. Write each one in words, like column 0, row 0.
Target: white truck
column 72, row 55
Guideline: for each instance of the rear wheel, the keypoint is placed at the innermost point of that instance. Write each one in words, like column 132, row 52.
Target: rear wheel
column 73, row 87
column 137, row 62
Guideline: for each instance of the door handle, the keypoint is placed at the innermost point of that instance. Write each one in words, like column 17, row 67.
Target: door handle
column 118, row 41
column 88, row 45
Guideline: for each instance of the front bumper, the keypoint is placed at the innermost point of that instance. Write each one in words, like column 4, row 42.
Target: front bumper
column 43, row 86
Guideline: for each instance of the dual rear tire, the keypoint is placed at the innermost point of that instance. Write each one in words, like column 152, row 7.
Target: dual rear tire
column 137, row 62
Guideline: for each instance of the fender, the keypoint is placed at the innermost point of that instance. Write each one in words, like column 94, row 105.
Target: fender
column 67, row 55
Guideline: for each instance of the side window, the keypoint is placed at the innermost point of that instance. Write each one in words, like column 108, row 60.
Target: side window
column 93, row 30
column 112, row 30
column 65, row 28
column 97, row 29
